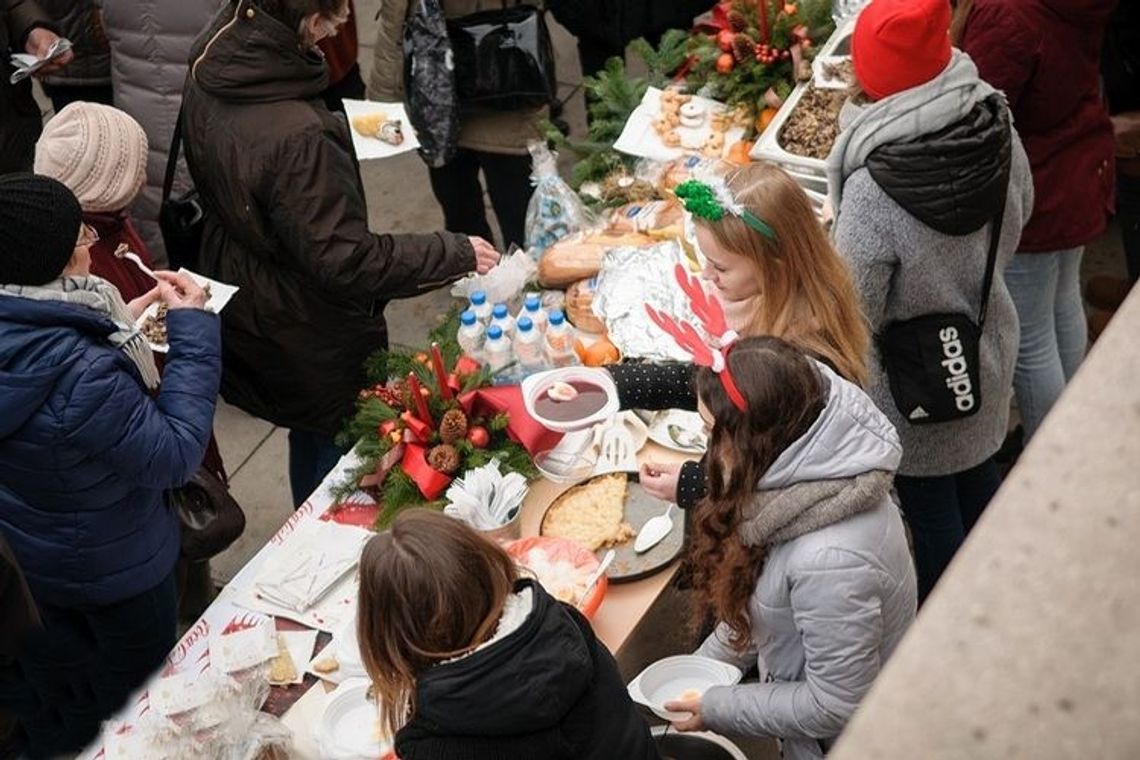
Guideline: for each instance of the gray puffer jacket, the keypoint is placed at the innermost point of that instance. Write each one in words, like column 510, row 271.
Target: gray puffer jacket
column 150, row 54
column 918, row 179
column 837, row 591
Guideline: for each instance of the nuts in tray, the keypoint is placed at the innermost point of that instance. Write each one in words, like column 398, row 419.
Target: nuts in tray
column 812, row 127
column 154, row 327
column 842, row 70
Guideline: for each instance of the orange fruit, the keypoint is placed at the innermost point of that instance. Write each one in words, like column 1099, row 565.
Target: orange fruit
column 597, row 354
column 725, row 63
column 739, row 153
column 766, row 117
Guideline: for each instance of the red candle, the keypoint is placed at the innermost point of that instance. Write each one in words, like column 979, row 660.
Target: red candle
column 440, row 372
column 418, row 399
column 762, row 7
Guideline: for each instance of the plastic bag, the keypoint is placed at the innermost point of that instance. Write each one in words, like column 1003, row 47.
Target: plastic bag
column 503, row 284
column 429, row 84
column 555, row 211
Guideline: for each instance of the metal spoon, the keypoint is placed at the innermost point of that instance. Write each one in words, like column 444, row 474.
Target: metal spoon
column 655, row 529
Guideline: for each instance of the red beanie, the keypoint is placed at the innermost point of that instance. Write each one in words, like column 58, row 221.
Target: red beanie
column 899, row 44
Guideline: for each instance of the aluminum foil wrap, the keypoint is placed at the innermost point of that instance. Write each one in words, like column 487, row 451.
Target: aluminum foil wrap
column 632, row 277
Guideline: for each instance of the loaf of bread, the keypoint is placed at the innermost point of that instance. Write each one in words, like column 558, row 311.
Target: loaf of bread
column 579, row 257
column 580, row 307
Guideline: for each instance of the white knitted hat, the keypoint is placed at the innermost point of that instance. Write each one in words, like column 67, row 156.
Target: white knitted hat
column 98, row 151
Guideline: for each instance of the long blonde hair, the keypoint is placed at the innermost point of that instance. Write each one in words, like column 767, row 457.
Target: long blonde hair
column 431, row 589
column 806, row 294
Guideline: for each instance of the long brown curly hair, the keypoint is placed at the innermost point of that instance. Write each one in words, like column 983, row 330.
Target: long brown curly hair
column 785, row 394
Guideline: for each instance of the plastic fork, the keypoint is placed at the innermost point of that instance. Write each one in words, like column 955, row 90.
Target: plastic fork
column 616, row 446
column 122, row 252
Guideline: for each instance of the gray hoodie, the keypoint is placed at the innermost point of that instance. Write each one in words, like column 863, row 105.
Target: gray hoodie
column 837, row 590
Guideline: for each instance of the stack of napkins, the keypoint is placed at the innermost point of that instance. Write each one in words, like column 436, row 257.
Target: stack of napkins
column 314, row 562
column 485, row 498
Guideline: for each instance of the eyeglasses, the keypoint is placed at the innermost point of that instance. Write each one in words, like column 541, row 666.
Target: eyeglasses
column 87, row 236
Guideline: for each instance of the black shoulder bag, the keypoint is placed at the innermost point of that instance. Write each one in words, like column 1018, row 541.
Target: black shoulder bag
column 504, row 59
column 932, row 360
column 181, row 219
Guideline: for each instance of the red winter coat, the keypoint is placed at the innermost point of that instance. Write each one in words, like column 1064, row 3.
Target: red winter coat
column 1045, row 55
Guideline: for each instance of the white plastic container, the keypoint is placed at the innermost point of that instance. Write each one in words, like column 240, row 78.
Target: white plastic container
column 471, row 334
column 809, row 173
column 668, row 679
column 347, row 729
column 532, row 308
column 534, row 386
column 529, row 347
column 479, row 305
column 497, row 351
column 559, row 341
column 501, row 317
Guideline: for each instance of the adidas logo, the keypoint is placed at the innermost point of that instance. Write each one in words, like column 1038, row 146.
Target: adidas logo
column 918, row 414
column 955, row 365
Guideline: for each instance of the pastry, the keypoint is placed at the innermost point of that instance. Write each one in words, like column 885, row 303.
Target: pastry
column 671, row 139
column 692, row 115
column 369, row 124
column 326, row 665
column 282, row 669
column 391, row 132
column 591, row 513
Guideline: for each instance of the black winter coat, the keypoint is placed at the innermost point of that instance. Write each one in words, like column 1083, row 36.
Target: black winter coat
column 20, row 117
column 547, row 691
column 287, row 223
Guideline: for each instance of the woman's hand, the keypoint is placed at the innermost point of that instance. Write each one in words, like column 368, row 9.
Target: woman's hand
column 660, row 480
column 39, row 43
column 138, row 305
column 179, row 291
column 486, row 257
column 695, row 722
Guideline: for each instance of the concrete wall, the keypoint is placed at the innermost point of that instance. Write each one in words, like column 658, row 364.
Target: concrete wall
column 1030, row 647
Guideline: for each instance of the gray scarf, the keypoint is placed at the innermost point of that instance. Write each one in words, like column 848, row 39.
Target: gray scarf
column 903, row 117
column 98, row 294
column 778, row 516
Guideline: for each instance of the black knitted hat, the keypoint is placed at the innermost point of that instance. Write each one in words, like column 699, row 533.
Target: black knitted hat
column 39, row 226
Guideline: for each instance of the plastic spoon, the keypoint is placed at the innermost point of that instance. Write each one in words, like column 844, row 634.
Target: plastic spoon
column 593, row 579
column 655, row 529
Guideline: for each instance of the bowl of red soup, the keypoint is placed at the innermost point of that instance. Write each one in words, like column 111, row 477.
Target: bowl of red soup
column 570, row 398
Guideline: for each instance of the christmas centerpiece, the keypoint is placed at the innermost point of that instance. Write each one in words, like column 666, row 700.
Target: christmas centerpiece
column 426, row 417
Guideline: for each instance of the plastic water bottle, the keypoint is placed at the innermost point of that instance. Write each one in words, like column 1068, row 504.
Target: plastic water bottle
column 559, row 341
column 480, row 306
column 529, row 349
column 501, row 316
column 471, row 333
column 497, row 352
column 532, row 308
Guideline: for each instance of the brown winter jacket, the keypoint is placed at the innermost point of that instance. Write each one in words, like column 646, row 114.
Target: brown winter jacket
column 287, row 223
column 20, row 118
column 504, row 132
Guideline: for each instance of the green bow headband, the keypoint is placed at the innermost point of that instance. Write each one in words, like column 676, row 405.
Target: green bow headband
column 705, row 201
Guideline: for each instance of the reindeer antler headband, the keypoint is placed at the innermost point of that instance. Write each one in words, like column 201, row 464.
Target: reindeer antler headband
column 711, row 315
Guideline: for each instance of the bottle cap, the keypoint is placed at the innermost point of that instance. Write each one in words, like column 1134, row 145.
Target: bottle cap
column 557, row 317
column 500, row 311
column 468, row 318
column 532, row 303
column 494, row 332
column 524, row 324
column 478, row 298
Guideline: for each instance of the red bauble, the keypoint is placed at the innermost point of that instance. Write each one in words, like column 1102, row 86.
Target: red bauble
column 479, row 437
column 724, row 39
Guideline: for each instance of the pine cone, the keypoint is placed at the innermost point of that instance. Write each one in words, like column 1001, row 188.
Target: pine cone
column 444, row 458
column 736, row 21
column 453, row 426
column 743, row 47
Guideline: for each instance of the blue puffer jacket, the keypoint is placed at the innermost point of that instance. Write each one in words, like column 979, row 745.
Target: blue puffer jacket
column 86, row 454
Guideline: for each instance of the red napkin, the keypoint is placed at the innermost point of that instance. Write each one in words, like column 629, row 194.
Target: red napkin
column 487, row 402
column 431, row 482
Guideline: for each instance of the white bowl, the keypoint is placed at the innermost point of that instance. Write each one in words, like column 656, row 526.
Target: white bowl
column 347, row 728
column 533, row 386
column 665, row 681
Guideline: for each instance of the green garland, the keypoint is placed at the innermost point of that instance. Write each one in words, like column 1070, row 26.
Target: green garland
column 385, row 399
column 700, row 200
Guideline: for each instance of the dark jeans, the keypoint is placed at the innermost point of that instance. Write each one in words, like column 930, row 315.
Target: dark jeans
column 940, row 512
column 456, row 187
column 311, row 457
column 63, row 95
column 351, row 87
column 81, row 668
column 1128, row 215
